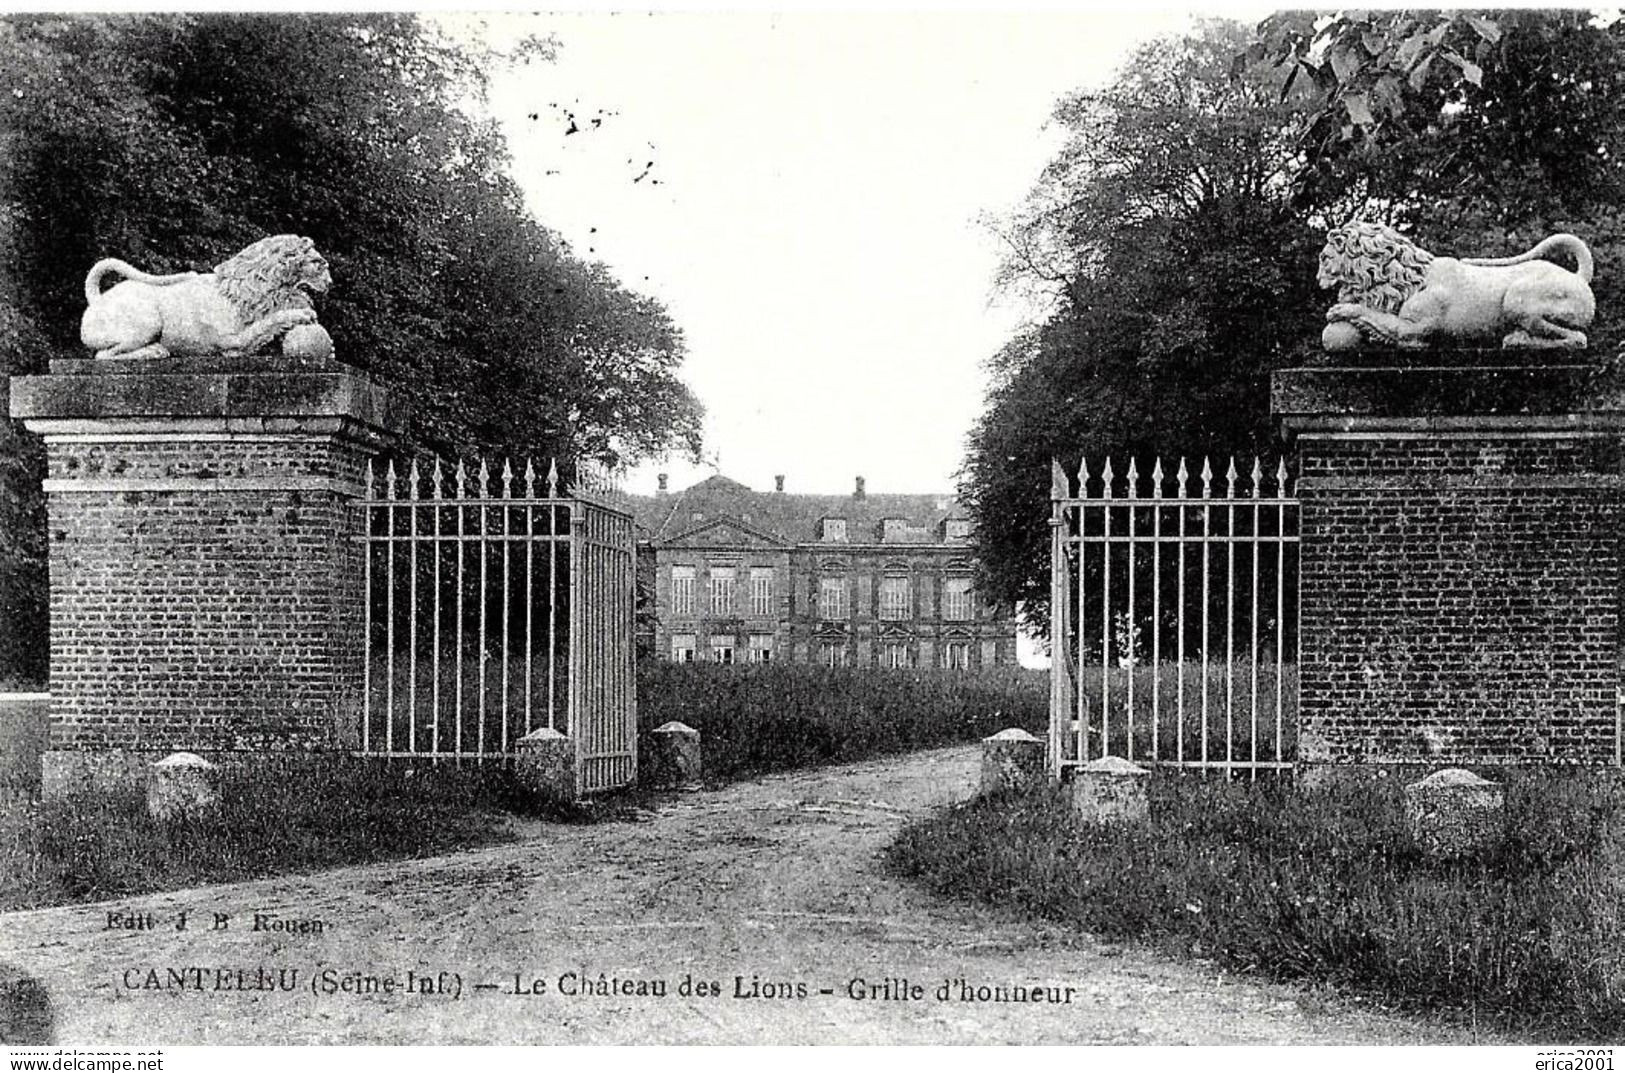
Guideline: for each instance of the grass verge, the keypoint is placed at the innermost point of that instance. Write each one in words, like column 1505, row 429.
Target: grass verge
column 1326, row 887
column 320, row 814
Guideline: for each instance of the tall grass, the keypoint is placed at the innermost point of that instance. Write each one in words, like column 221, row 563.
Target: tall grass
column 273, row 819
column 1222, row 711
column 1323, row 886
column 760, row 718
column 467, row 704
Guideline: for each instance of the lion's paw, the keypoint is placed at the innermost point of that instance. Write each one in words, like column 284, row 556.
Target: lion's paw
column 1343, row 311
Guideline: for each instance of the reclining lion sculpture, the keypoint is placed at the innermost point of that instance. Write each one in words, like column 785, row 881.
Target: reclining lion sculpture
column 1393, row 293
column 240, row 308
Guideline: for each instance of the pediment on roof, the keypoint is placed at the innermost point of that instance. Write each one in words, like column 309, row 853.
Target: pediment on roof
column 722, row 533
column 891, row 631
column 830, row 629
column 958, row 633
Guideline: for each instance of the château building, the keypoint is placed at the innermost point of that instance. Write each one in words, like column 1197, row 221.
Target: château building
column 865, row 580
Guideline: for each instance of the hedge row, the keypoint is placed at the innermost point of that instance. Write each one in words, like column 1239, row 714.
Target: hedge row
column 760, row 718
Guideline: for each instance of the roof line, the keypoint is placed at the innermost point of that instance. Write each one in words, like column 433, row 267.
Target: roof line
column 727, row 519
column 677, row 501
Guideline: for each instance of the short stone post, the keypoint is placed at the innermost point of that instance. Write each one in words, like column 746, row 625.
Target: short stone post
column 675, row 756
column 182, row 785
column 544, row 766
column 1111, row 791
column 1012, row 759
column 1453, row 812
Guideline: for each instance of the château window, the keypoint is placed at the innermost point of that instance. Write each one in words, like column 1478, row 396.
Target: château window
column 957, row 530
column 682, row 648
column 832, row 653
column 956, row 655
column 956, row 599
column 834, row 530
column 761, row 592
column 722, row 590
column 894, row 598
column 761, row 648
column 895, row 656
column 722, row 650
column 682, row 590
column 832, row 597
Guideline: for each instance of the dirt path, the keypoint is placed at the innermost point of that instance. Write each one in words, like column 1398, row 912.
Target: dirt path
column 775, row 881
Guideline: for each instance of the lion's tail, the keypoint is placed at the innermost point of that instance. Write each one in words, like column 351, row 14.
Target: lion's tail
column 1574, row 246
column 93, row 280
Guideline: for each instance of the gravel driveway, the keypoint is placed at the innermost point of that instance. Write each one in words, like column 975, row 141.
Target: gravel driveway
column 769, row 890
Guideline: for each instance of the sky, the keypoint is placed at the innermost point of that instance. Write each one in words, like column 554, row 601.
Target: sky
column 805, row 191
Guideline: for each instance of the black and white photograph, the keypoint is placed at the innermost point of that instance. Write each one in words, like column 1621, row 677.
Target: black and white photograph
column 1083, row 527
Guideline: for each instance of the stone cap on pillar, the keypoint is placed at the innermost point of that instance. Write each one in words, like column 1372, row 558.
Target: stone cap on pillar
column 236, row 394
column 1437, row 391
column 1436, row 396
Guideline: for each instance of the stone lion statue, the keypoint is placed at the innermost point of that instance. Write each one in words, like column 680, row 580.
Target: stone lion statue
column 1393, row 293
column 240, row 308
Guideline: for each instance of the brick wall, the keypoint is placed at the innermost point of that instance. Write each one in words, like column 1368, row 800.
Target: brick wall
column 211, row 618
column 1460, row 596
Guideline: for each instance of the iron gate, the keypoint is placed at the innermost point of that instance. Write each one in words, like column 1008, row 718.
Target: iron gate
column 497, row 606
column 1174, row 604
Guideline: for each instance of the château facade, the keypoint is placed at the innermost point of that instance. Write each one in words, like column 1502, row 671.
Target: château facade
column 739, row 576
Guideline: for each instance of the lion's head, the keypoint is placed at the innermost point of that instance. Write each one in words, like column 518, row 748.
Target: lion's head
column 1372, row 265
column 278, row 272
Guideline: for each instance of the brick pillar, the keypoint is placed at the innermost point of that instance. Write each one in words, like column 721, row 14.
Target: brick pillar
column 1460, row 562
column 206, row 587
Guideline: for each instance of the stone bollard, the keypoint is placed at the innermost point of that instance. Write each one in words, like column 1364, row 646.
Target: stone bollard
column 1111, row 791
column 675, row 759
column 1454, row 812
column 544, row 766
column 182, row 785
column 1012, row 759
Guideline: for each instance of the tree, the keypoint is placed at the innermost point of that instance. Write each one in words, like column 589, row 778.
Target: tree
column 174, row 141
column 1182, row 274
column 1178, row 226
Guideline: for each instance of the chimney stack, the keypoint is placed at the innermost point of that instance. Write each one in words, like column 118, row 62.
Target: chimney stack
column 857, row 491
column 778, row 483
column 662, row 479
